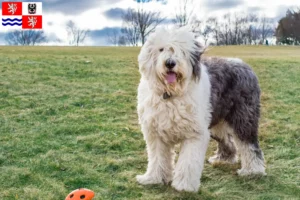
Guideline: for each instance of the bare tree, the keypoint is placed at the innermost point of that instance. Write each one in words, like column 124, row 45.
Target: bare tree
column 147, row 22
column 243, row 33
column 252, row 29
column 131, row 35
column 113, row 37
column 122, row 40
column 130, row 28
column 256, row 35
column 141, row 22
column 76, row 35
column 206, row 33
column 267, row 28
column 25, row 37
column 226, row 33
column 238, row 31
column 184, row 12
column 215, row 29
column 196, row 25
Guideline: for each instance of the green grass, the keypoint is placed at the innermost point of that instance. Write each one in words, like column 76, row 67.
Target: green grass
column 68, row 120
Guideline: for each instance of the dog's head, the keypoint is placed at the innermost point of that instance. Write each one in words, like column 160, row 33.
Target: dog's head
column 169, row 60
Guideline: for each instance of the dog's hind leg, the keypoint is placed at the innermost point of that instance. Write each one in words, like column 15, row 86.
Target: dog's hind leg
column 252, row 158
column 245, row 127
column 226, row 152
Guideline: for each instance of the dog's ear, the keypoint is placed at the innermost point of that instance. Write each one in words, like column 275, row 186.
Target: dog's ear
column 196, row 53
column 144, row 58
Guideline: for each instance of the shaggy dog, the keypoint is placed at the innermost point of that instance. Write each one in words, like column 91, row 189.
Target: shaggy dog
column 184, row 98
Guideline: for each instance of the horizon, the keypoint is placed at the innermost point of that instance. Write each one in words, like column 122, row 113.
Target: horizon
column 56, row 13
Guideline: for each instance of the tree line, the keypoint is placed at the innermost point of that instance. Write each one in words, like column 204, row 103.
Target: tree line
column 138, row 23
column 76, row 36
column 288, row 29
column 229, row 29
column 238, row 29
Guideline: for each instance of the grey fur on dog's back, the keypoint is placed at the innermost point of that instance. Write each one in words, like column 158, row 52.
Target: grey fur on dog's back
column 235, row 96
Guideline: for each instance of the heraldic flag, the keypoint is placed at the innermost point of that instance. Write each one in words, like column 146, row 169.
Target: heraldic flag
column 27, row 15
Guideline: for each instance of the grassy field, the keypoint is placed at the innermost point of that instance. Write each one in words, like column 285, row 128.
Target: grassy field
column 68, row 120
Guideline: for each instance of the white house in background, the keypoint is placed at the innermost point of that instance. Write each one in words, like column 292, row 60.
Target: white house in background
column 271, row 40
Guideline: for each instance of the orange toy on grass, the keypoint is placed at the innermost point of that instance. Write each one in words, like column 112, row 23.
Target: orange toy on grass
column 81, row 194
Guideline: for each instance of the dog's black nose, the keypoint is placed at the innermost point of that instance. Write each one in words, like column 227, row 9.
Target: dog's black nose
column 170, row 63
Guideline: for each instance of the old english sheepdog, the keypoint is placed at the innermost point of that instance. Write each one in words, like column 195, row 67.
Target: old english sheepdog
column 188, row 99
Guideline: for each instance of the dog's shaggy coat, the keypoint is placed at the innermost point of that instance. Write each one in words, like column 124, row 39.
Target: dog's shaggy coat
column 184, row 98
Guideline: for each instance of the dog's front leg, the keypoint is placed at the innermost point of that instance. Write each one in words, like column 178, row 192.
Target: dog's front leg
column 160, row 162
column 190, row 163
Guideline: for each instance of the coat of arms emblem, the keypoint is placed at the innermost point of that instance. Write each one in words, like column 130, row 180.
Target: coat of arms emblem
column 31, row 8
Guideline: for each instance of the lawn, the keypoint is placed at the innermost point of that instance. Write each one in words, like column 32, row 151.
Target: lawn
column 68, row 120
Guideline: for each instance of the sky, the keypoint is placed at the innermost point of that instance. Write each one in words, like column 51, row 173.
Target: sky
column 102, row 16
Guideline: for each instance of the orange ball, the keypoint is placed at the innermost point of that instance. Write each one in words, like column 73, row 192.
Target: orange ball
column 81, row 194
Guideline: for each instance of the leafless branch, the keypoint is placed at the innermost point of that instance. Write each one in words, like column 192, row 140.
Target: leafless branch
column 25, row 37
column 184, row 12
column 138, row 24
column 76, row 35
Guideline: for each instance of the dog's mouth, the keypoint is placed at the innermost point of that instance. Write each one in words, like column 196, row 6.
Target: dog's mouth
column 171, row 77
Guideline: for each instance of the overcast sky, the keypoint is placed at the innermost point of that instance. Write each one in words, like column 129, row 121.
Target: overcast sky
column 100, row 16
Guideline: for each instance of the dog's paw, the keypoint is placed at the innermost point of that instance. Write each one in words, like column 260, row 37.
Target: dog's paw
column 184, row 185
column 147, row 180
column 247, row 172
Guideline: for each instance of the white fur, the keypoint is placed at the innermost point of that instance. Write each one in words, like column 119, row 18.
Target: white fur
column 225, row 133
column 251, row 164
column 184, row 118
column 236, row 60
column 167, row 122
